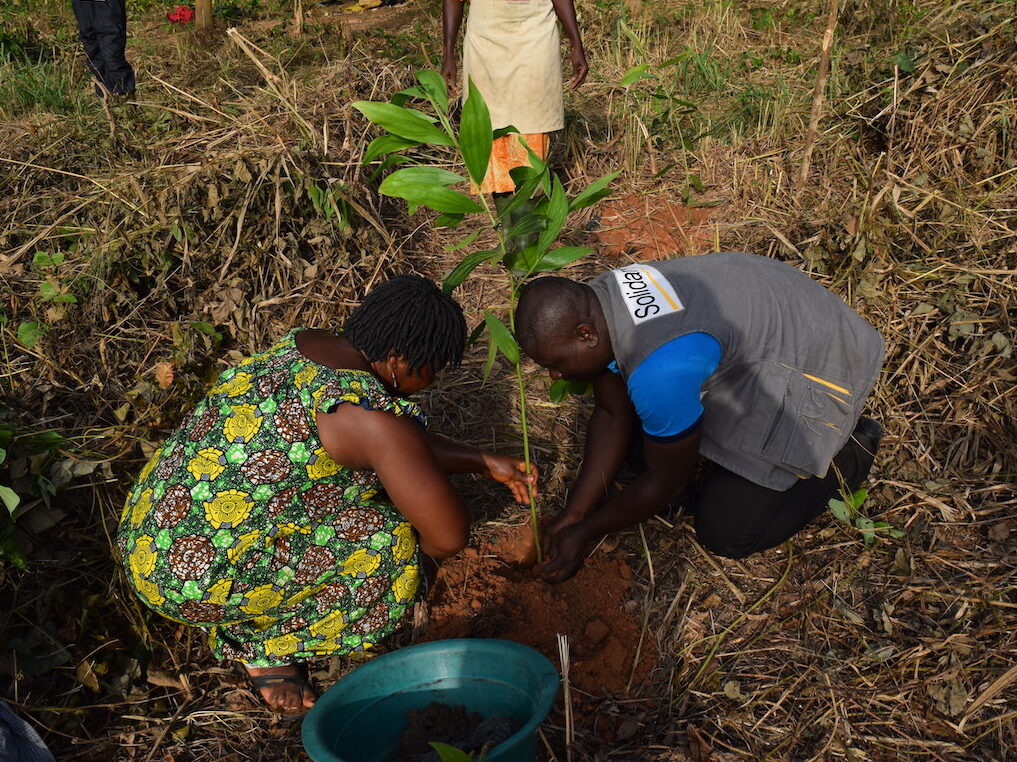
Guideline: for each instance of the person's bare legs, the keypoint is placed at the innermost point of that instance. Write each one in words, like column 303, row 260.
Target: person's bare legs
column 288, row 693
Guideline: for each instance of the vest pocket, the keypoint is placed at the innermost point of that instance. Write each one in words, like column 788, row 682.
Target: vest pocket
column 807, row 425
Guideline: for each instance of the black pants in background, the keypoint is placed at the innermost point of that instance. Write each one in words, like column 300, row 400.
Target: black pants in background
column 102, row 27
column 735, row 517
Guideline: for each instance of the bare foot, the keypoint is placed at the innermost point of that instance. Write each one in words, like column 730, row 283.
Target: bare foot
column 285, row 689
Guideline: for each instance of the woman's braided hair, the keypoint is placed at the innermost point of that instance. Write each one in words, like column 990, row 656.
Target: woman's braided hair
column 411, row 317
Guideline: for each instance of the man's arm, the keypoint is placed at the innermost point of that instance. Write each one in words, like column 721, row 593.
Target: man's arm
column 668, row 467
column 566, row 12
column 608, row 438
column 451, row 20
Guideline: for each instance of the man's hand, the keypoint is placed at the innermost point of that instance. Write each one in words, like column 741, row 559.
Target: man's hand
column 579, row 66
column 512, row 473
column 449, row 73
column 564, row 551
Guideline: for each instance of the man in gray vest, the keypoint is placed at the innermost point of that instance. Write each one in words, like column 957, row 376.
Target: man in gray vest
column 739, row 358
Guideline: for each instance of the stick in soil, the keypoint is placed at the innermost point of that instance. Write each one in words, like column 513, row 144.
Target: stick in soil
column 566, row 692
column 817, row 95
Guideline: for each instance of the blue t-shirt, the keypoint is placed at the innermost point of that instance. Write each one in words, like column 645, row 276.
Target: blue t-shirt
column 666, row 387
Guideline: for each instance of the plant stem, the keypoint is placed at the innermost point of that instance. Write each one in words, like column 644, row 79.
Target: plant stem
column 521, row 386
column 514, row 284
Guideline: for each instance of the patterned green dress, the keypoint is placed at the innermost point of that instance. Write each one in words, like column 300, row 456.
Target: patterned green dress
column 243, row 525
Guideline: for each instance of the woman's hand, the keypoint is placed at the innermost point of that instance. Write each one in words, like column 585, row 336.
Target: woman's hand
column 449, row 73
column 512, row 473
column 579, row 66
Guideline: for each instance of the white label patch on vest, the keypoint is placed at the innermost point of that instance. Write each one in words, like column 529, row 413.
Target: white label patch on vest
column 646, row 293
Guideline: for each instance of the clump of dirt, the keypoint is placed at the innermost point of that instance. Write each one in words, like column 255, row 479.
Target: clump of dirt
column 492, row 591
column 452, row 725
column 651, row 227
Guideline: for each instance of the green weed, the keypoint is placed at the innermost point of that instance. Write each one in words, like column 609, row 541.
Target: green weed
column 31, row 84
column 848, row 512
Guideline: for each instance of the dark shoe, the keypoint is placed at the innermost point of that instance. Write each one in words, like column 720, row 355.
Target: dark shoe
column 854, row 461
column 868, row 434
column 300, row 680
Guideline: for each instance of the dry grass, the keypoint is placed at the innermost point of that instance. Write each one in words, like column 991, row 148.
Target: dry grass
column 194, row 206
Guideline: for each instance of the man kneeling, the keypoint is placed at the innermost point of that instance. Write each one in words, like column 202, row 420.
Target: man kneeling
column 739, row 358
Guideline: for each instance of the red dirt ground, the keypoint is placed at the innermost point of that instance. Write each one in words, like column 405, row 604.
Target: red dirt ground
column 493, row 591
column 650, row 227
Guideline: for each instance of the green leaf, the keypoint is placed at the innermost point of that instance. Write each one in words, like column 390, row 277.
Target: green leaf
column 404, row 122
column 492, row 353
column 386, row 144
column 502, row 337
column 627, row 30
column 45, row 259
column 538, row 164
column 65, row 299
column 475, row 334
column 561, row 389
column 48, row 291
column 10, row 498
column 3, row 455
column 503, row 131
column 463, row 243
column 857, row 499
column 450, row 753
column 45, row 440
column 433, row 85
column 30, row 333
column 448, row 220
column 635, row 74
column 437, row 198
column 425, row 186
column 594, row 192
column 462, row 271
column 400, row 98
column 866, row 527
column 559, row 258
column 526, row 179
column 423, row 176
column 531, row 223
column 903, row 62
column 523, row 262
column 839, row 509
column 208, row 329
column 557, row 210
column 475, row 134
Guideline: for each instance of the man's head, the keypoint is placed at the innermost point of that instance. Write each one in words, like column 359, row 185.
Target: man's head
column 561, row 326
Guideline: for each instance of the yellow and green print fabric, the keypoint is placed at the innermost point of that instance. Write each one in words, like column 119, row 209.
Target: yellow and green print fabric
column 243, row 525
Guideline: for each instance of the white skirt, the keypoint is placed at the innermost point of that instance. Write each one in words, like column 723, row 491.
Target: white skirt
column 512, row 52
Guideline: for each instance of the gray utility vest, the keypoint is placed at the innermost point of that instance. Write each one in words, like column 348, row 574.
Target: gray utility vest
column 796, row 367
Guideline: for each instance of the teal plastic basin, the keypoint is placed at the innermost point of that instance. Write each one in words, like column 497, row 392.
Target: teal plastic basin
column 361, row 717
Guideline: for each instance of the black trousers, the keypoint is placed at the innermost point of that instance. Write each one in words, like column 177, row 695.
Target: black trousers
column 102, row 27
column 735, row 517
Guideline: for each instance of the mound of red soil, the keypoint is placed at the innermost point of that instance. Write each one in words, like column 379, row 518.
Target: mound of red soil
column 650, row 227
column 492, row 591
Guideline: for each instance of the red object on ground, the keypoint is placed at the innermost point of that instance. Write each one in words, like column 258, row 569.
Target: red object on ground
column 181, row 15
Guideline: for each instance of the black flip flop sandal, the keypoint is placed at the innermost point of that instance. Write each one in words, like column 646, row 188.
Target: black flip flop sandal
column 270, row 681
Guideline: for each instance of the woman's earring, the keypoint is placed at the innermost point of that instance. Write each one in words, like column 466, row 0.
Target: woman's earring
column 395, row 384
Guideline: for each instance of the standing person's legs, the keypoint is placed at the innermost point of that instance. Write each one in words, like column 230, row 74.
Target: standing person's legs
column 111, row 28
column 735, row 517
column 84, row 14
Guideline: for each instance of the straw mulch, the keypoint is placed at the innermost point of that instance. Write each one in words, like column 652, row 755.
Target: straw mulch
column 219, row 213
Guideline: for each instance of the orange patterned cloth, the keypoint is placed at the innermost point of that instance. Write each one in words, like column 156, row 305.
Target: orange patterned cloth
column 507, row 153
